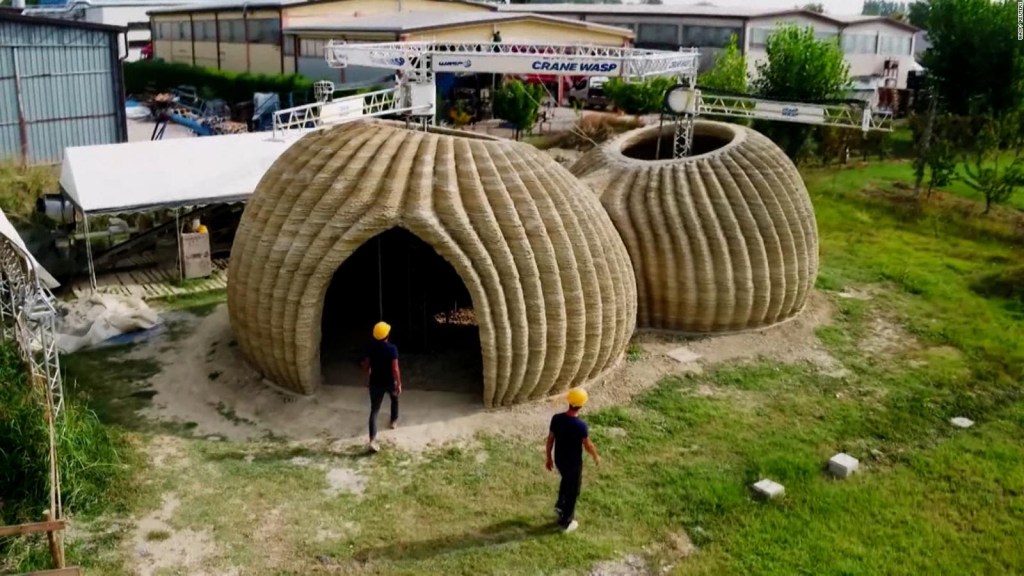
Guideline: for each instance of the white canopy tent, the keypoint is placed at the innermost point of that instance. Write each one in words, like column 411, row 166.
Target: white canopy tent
column 167, row 174
column 141, row 176
column 8, row 231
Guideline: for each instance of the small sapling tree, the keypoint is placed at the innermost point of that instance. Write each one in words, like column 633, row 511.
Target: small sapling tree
column 519, row 104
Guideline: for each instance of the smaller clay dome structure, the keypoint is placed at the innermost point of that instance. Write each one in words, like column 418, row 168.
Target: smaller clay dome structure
column 551, row 284
column 724, row 240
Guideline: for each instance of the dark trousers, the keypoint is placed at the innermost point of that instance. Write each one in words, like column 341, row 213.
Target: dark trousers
column 377, row 394
column 568, row 493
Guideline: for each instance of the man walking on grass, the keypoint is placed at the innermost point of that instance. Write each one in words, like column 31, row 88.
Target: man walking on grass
column 381, row 363
column 568, row 435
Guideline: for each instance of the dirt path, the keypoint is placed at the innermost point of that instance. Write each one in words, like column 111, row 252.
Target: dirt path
column 205, row 381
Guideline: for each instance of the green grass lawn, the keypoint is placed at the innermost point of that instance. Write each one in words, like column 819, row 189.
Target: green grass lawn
column 931, row 499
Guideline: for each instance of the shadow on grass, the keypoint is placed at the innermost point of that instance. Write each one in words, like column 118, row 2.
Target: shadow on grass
column 493, row 535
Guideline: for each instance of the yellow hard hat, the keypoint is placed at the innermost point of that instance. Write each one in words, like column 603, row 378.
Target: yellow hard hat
column 577, row 397
column 381, row 330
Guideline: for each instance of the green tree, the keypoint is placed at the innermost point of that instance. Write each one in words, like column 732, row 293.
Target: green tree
column 883, row 8
column 643, row 97
column 986, row 167
column 815, row 7
column 518, row 103
column 917, row 13
column 729, row 73
column 799, row 68
column 971, row 68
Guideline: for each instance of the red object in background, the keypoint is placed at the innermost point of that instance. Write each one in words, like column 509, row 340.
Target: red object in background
column 147, row 51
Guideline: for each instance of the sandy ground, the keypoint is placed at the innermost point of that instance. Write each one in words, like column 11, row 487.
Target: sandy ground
column 206, row 381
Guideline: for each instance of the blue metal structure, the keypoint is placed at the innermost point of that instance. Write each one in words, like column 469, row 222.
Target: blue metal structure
column 61, row 84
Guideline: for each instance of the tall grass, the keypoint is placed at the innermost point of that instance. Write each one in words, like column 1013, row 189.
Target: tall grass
column 21, row 186
column 94, row 461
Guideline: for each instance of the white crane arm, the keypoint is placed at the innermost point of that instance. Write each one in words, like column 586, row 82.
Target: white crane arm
column 505, row 58
column 340, row 110
column 839, row 115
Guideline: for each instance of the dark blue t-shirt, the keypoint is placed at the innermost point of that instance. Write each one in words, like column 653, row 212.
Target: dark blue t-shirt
column 569, row 433
column 382, row 355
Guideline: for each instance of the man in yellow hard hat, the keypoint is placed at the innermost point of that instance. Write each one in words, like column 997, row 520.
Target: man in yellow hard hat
column 569, row 436
column 384, row 377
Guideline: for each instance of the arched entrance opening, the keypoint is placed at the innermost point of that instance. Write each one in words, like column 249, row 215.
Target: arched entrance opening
column 399, row 278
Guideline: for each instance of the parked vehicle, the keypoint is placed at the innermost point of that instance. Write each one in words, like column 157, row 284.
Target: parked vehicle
column 589, row 92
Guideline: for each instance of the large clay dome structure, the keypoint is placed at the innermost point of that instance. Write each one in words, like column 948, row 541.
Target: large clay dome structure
column 723, row 240
column 552, row 288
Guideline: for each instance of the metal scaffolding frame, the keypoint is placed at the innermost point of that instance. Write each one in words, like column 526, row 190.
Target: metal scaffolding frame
column 28, row 317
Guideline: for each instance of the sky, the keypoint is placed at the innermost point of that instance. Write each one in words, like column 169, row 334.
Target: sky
column 832, row 6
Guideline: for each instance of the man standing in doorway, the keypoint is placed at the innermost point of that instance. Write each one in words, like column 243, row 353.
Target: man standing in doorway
column 568, row 435
column 384, row 378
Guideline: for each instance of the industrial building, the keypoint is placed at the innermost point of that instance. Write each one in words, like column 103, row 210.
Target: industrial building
column 61, row 84
column 880, row 51
column 305, row 43
column 285, row 36
column 130, row 14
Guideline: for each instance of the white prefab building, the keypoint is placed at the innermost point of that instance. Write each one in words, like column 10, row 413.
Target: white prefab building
column 880, row 51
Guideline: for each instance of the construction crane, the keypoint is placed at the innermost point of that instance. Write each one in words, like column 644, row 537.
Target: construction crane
column 417, row 63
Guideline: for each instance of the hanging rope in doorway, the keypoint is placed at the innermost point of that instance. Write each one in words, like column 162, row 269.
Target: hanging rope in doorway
column 380, row 282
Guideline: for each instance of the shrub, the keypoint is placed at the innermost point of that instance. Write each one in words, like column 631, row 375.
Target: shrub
column 644, row 97
column 519, row 104
column 157, row 75
column 92, row 458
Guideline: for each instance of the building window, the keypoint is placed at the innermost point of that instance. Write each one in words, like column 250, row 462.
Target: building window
column 310, row 48
column 264, row 31
column 859, row 43
column 893, row 46
column 759, row 37
column 205, row 31
column 232, row 31
column 709, row 36
column 184, row 30
column 664, row 34
column 825, row 36
column 289, row 45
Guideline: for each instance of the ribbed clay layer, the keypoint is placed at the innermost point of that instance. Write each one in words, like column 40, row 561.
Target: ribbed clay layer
column 552, row 286
column 723, row 240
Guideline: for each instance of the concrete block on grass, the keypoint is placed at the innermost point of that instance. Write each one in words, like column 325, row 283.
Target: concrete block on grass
column 961, row 422
column 843, row 465
column 769, row 490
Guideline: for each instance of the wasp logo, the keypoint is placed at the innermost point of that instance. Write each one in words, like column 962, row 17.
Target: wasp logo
column 396, row 62
column 455, row 63
column 790, row 112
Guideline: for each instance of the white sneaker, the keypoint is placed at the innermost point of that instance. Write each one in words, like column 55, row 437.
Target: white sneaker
column 572, row 526
column 374, row 447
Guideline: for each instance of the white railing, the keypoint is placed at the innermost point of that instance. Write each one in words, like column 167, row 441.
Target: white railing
column 839, row 115
column 320, row 114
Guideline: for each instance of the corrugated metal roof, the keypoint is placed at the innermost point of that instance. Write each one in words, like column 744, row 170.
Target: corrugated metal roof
column 224, row 5
column 410, row 21
column 8, row 16
column 238, row 4
column 683, row 10
column 638, row 9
